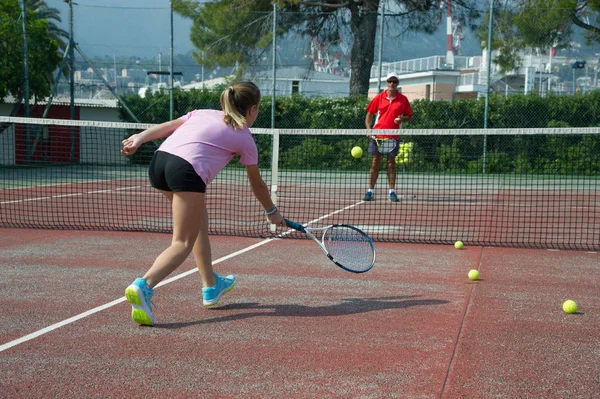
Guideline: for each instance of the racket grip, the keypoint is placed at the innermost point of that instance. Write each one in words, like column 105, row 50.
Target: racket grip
column 294, row 225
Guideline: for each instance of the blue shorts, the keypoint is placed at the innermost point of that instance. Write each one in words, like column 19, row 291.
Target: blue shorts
column 372, row 149
column 169, row 172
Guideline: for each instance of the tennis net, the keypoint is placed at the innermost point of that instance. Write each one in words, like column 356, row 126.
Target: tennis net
column 507, row 187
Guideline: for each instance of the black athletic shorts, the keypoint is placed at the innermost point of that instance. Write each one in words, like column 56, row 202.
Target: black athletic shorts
column 169, row 172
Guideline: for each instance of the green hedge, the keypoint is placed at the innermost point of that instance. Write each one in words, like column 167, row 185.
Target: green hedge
column 298, row 112
column 562, row 155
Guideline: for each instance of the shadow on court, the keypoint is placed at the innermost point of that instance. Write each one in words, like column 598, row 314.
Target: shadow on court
column 348, row 306
column 296, row 326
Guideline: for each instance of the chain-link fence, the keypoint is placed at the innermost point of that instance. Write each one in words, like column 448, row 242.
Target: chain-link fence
column 312, row 53
column 327, row 56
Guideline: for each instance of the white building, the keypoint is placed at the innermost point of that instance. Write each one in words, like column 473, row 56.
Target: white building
column 299, row 80
column 292, row 80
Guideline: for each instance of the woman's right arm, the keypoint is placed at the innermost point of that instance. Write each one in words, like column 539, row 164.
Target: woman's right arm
column 131, row 144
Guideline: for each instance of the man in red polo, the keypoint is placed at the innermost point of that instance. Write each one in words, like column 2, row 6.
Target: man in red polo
column 391, row 108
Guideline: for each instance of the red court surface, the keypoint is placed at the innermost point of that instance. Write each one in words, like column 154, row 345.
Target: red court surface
column 296, row 326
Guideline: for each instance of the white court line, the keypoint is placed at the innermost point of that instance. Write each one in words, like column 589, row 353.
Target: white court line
column 71, row 195
column 90, row 312
column 68, row 184
column 117, row 301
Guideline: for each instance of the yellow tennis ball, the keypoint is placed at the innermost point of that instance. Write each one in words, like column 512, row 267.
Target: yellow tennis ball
column 569, row 306
column 473, row 275
column 459, row 245
column 357, row 152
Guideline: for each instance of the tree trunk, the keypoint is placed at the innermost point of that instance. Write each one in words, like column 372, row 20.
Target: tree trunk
column 363, row 24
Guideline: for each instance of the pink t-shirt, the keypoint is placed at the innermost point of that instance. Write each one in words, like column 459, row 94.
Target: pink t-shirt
column 208, row 143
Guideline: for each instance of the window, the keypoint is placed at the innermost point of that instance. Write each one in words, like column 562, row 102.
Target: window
column 295, row 86
column 428, row 92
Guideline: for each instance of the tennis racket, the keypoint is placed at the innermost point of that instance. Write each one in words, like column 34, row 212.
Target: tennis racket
column 385, row 146
column 347, row 246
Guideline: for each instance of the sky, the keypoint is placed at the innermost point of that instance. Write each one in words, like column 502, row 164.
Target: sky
column 141, row 28
column 125, row 27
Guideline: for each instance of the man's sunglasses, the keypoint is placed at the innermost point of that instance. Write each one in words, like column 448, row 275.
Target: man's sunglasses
column 392, row 81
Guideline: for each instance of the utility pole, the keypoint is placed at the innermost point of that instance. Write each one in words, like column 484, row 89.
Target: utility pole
column 159, row 67
column 381, row 47
column 171, row 102
column 275, row 144
column 274, row 67
column 489, row 77
column 26, row 80
column 25, row 59
column 115, row 72
column 71, row 62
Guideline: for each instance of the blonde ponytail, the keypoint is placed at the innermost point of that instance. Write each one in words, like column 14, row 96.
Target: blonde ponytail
column 236, row 101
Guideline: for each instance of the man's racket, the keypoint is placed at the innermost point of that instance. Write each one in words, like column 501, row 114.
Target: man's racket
column 385, row 146
column 345, row 245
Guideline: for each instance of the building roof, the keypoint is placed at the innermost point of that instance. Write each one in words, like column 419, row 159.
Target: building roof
column 207, row 84
column 291, row 73
column 299, row 73
column 79, row 102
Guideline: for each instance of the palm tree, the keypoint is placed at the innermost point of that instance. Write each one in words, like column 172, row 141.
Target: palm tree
column 53, row 32
column 61, row 36
column 51, row 15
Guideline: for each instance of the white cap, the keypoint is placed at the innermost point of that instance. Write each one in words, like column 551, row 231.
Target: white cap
column 392, row 75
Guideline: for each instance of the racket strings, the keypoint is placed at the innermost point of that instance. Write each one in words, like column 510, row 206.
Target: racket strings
column 349, row 247
column 385, row 146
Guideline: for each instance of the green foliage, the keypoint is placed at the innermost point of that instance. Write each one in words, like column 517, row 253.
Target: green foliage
column 539, row 24
column 320, row 154
column 43, row 56
column 154, row 107
column 458, row 114
column 537, row 154
column 239, row 32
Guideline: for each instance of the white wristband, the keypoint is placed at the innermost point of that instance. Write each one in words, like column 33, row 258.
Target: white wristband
column 271, row 211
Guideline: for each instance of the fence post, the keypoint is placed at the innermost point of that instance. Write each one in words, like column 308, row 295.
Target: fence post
column 489, row 76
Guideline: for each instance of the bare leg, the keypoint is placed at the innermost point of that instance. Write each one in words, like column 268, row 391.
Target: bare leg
column 202, row 254
column 374, row 172
column 188, row 211
column 391, row 169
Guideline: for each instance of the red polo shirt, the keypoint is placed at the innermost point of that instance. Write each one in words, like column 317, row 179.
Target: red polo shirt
column 387, row 110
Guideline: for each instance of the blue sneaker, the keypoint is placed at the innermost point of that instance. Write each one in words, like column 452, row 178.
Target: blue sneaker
column 368, row 196
column 212, row 295
column 394, row 197
column 139, row 295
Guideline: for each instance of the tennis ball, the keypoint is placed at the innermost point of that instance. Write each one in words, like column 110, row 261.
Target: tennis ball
column 357, row 152
column 473, row 275
column 459, row 245
column 569, row 306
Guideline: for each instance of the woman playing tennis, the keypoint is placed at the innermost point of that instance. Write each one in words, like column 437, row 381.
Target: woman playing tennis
column 198, row 146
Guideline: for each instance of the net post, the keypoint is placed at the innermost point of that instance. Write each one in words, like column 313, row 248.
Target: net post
column 489, row 77
column 274, row 171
